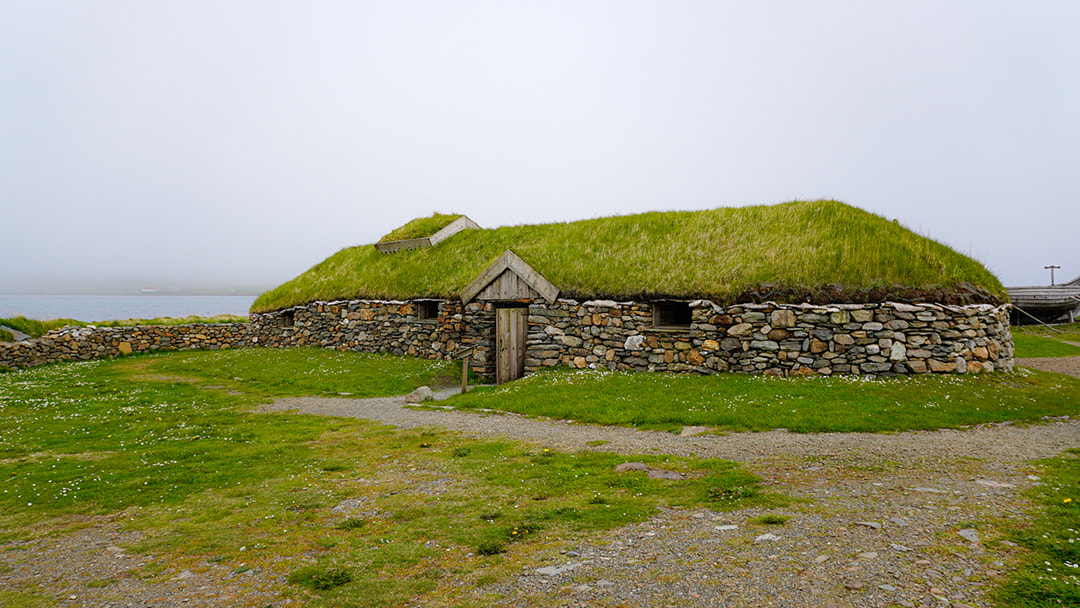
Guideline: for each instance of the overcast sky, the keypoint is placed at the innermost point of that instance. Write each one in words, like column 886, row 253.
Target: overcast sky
column 240, row 143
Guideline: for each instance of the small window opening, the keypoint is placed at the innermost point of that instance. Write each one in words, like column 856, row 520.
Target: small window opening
column 672, row 315
column 287, row 319
column 427, row 310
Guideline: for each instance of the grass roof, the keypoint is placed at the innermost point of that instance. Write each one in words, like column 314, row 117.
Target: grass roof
column 420, row 227
column 821, row 251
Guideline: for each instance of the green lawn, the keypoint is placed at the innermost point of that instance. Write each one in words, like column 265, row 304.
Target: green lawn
column 1042, row 341
column 1038, row 346
column 735, row 402
column 173, row 434
column 1050, row 574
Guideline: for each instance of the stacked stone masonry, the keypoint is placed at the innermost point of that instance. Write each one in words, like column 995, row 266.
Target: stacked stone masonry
column 867, row 339
column 381, row 326
column 84, row 343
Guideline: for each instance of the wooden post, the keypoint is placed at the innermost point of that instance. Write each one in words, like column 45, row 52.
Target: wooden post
column 464, row 375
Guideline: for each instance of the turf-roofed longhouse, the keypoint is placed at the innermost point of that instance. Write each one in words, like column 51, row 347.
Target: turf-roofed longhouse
column 805, row 288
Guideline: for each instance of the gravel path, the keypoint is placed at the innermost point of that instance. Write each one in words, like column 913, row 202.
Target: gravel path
column 903, row 519
column 1061, row 365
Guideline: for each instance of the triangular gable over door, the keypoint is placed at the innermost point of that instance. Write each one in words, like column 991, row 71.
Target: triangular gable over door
column 509, row 278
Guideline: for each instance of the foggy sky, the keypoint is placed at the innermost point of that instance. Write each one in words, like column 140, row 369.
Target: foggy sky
column 237, row 144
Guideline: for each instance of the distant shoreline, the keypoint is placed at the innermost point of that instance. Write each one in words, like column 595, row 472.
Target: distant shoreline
column 91, row 308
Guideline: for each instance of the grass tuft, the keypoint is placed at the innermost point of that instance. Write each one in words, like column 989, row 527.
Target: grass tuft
column 771, row 520
column 352, row 523
column 320, row 578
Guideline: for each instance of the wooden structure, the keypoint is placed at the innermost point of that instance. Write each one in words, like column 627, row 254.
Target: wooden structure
column 510, row 284
column 1046, row 303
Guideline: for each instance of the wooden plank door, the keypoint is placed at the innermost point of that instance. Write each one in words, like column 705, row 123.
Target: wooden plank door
column 510, row 332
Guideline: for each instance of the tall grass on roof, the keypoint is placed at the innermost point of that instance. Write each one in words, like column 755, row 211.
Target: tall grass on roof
column 783, row 252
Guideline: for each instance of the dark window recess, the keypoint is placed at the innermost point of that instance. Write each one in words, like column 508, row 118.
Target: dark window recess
column 287, row 319
column 673, row 315
column 427, row 310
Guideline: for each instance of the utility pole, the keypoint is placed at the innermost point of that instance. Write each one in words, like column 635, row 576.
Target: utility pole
column 1051, row 269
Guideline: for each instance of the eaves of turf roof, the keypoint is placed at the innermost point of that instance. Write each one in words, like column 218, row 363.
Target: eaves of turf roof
column 815, row 251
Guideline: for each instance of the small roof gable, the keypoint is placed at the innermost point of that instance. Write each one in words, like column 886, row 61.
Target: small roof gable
column 461, row 223
column 528, row 283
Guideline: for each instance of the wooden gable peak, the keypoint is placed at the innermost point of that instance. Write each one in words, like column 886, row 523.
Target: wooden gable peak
column 510, row 270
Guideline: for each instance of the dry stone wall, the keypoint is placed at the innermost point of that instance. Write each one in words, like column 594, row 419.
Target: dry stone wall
column 84, row 343
column 866, row 339
column 381, row 326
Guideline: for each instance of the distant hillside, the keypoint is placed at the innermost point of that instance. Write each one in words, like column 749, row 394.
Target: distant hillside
column 821, row 251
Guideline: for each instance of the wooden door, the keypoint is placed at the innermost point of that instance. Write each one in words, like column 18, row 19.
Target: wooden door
column 510, row 331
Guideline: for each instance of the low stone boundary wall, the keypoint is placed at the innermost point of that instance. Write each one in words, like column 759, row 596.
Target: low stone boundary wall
column 777, row 339
column 84, row 343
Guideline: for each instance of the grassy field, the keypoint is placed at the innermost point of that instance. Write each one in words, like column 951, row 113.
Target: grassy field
column 1042, row 341
column 788, row 251
column 735, row 402
column 1038, row 346
column 36, row 329
column 1069, row 332
column 216, row 484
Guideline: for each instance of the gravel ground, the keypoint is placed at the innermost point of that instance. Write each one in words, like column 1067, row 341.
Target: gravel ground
column 1061, row 365
column 877, row 522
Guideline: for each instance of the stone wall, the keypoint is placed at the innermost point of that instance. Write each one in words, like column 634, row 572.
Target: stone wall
column 867, row 339
column 381, row 326
column 83, row 343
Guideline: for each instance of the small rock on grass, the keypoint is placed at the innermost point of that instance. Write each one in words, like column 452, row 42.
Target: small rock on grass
column 853, row 585
column 557, row 570
column 869, row 524
column 969, row 534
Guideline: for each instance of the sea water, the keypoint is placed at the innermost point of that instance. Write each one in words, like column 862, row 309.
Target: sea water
column 114, row 307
